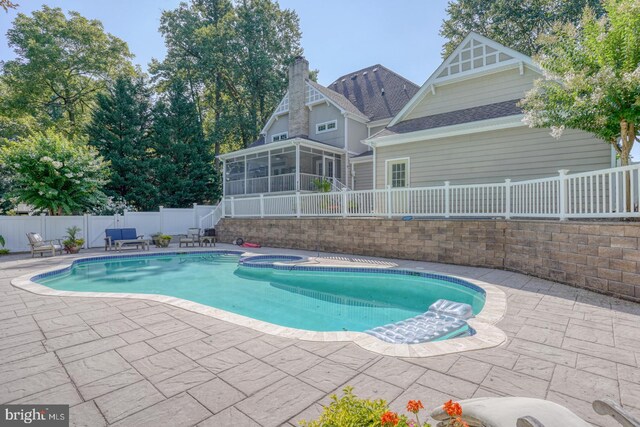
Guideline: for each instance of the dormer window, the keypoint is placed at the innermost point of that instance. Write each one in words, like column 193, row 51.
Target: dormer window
column 327, row 126
column 279, row 137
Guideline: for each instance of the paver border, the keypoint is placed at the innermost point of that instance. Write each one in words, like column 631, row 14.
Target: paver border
column 487, row 334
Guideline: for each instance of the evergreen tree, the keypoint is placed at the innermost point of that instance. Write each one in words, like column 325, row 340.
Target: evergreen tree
column 183, row 161
column 120, row 129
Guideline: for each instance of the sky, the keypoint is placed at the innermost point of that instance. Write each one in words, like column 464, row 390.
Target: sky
column 338, row 36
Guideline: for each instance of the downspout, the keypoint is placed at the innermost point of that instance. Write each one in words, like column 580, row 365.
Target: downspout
column 375, row 168
column 224, row 178
column 346, row 149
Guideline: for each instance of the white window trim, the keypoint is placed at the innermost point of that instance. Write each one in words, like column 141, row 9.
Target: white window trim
column 407, row 160
column 326, row 124
column 279, row 136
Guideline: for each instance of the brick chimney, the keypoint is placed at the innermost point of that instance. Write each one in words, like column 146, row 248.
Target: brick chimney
column 298, row 112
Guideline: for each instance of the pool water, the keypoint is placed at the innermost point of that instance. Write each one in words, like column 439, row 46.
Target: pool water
column 349, row 300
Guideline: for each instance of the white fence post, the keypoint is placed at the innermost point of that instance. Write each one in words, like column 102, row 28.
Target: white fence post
column 261, row 205
column 562, row 203
column 298, row 206
column 507, row 198
column 43, row 225
column 85, row 225
column 195, row 216
column 160, row 208
column 345, row 208
column 389, row 202
column 447, row 199
column 233, row 208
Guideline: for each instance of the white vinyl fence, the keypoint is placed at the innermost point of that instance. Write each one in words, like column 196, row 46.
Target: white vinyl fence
column 167, row 221
column 608, row 193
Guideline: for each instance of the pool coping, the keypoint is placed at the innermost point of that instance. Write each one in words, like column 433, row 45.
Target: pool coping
column 487, row 334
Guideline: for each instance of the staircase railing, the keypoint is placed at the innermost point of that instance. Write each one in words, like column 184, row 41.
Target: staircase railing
column 211, row 219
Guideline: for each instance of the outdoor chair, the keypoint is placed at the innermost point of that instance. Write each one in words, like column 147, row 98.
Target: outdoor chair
column 41, row 246
column 116, row 238
column 529, row 412
column 191, row 238
column 209, row 237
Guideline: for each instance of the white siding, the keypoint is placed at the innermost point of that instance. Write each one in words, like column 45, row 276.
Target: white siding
column 519, row 153
column 489, row 89
column 363, row 176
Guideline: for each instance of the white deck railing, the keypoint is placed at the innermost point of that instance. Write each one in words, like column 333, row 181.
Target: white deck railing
column 608, row 193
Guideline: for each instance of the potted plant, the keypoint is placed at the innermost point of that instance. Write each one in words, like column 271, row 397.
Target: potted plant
column 72, row 244
column 322, row 185
column 162, row 240
column 3, row 250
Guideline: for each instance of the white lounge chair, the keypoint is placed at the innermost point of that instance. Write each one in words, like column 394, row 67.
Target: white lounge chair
column 529, row 412
column 191, row 238
column 41, row 246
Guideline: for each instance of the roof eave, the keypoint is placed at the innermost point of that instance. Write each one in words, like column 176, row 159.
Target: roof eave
column 280, row 144
column 447, row 131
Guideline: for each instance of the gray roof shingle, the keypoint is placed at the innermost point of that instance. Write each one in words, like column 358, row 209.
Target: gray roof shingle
column 467, row 115
column 376, row 91
column 339, row 99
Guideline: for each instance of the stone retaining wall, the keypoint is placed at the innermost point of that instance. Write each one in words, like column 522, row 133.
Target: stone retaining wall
column 603, row 257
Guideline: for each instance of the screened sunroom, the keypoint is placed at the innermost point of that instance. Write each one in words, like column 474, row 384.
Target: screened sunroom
column 283, row 166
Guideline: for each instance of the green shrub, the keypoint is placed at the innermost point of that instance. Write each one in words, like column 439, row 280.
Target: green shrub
column 350, row 411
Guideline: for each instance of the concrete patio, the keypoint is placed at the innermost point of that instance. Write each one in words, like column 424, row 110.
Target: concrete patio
column 139, row 363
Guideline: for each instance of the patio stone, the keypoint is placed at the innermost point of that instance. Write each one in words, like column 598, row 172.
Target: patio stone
column 109, row 384
column 515, row 384
column 85, row 350
column 184, row 381
column 582, row 409
column 166, row 327
column 630, row 393
column 196, row 349
column 257, row 347
column 367, row 387
column 113, row 327
column 230, row 338
column 86, row 415
column 252, row 376
column 26, row 367
column 223, row 360
column 328, row 375
column 136, row 351
column 128, row 400
column 575, row 383
column 229, row 417
column 70, row 340
column 216, row 395
column 34, row 384
column 595, row 365
column 544, row 352
column 65, row 394
column 589, row 334
column 21, row 352
column 289, row 396
column 436, row 363
column 469, row 369
column 292, row 360
column 496, row 356
column 353, row 356
column 603, row 351
column 21, row 339
column 535, row 367
column 176, row 339
column 181, row 410
column 93, row 368
column 136, row 335
column 541, row 335
column 448, row 384
column 163, row 365
column 394, row 371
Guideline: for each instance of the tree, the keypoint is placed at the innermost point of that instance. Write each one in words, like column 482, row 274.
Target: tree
column 183, row 165
column 592, row 77
column 54, row 174
column 120, row 131
column 8, row 4
column 61, row 64
column 516, row 24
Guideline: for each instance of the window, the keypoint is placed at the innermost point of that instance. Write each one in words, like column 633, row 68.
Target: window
column 327, row 126
column 279, row 137
column 398, row 173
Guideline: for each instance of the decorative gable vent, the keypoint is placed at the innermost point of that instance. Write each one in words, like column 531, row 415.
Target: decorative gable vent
column 474, row 54
column 283, row 107
column 313, row 95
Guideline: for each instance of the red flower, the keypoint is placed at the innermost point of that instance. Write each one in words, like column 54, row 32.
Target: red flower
column 414, row 406
column 452, row 408
column 389, row 418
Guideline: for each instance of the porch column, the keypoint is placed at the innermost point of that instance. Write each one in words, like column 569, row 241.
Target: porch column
column 297, row 167
column 224, row 178
column 245, row 174
column 269, row 171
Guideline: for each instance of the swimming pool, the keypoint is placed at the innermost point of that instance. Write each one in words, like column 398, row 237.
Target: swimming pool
column 268, row 289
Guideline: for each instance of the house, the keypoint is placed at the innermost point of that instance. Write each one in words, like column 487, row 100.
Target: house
column 464, row 126
column 317, row 132
column 373, row 128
